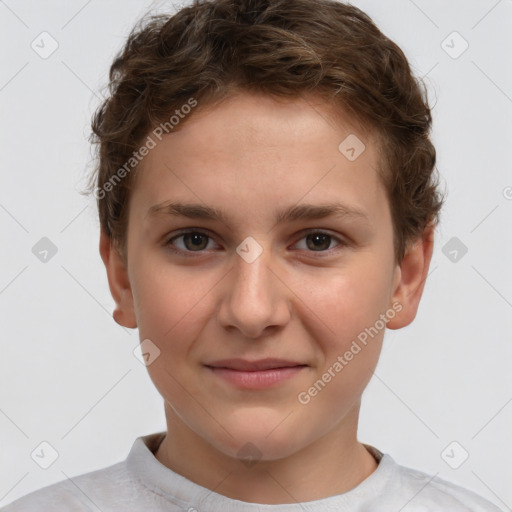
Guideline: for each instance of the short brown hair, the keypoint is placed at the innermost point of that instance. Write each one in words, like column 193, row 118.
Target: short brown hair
column 281, row 48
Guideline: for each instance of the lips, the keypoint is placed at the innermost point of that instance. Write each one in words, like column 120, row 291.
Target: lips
column 255, row 375
column 244, row 365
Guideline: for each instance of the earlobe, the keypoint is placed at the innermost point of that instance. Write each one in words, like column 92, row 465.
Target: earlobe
column 119, row 283
column 410, row 278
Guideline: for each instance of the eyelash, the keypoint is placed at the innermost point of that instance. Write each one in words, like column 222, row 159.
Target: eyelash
column 341, row 243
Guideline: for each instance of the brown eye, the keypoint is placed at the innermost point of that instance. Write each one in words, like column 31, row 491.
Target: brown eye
column 189, row 241
column 318, row 241
column 194, row 241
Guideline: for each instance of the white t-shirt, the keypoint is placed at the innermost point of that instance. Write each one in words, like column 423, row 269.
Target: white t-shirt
column 142, row 484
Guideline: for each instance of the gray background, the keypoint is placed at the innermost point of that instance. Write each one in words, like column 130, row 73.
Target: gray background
column 69, row 376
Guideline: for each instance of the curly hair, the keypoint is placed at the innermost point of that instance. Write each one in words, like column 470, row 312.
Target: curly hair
column 281, row 48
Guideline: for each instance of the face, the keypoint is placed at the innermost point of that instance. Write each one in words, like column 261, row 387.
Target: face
column 269, row 311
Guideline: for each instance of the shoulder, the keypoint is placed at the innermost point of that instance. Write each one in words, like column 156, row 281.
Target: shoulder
column 429, row 492
column 82, row 493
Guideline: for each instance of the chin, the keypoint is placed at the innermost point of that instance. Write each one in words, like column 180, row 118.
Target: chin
column 265, row 439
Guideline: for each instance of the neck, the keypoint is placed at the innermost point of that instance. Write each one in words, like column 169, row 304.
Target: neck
column 332, row 465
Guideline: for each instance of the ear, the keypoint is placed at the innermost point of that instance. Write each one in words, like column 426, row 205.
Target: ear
column 118, row 282
column 410, row 277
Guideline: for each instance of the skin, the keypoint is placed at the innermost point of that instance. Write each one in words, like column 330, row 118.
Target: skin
column 250, row 156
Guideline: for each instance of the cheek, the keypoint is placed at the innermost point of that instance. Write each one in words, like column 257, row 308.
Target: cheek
column 171, row 309
column 346, row 301
column 351, row 305
column 169, row 301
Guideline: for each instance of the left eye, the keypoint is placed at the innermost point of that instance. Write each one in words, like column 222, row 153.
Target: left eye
column 319, row 241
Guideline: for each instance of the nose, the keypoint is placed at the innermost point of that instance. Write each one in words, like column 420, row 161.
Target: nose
column 255, row 299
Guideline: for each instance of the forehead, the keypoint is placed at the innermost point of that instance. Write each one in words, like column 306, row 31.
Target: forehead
column 256, row 150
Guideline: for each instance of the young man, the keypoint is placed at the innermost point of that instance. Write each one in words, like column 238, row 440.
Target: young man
column 267, row 199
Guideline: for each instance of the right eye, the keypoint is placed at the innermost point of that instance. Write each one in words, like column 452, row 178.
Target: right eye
column 189, row 241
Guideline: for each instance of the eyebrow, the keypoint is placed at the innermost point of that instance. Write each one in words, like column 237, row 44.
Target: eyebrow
column 297, row 212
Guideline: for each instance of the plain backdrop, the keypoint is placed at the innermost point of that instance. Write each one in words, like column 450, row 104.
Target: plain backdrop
column 69, row 376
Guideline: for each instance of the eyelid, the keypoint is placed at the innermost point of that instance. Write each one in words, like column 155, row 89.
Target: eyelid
column 184, row 231
column 342, row 241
